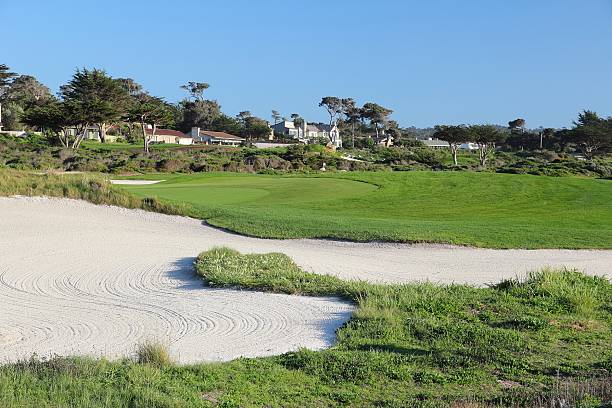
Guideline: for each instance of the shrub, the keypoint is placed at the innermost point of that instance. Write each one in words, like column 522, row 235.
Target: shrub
column 153, row 353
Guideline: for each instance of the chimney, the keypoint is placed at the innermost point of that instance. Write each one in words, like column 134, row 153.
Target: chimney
column 195, row 132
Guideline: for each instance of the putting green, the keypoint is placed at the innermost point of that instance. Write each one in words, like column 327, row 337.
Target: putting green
column 480, row 209
column 254, row 190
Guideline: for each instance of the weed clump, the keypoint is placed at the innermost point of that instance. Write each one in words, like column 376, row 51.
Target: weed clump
column 153, row 353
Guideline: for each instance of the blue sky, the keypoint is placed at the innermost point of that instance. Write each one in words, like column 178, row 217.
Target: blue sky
column 439, row 61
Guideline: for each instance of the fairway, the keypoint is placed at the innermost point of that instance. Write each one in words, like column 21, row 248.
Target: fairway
column 479, row 209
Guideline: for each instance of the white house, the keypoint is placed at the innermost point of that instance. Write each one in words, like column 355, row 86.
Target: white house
column 216, row 138
column 469, row 146
column 436, row 143
column 309, row 133
column 169, row 136
column 441, row 144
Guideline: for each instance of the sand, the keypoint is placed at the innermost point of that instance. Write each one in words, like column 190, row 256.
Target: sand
column 82, row 279
column 135, row 182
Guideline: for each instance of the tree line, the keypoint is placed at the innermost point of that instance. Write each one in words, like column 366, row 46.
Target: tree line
column 93, row 98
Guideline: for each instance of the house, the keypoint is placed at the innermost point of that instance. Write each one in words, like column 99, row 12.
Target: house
column 441, row 144
column 436, row 143
column 309, row 133
column 271, row 145
column 92, row 132
column 287, row 128
column 385, row 141
column 216, row 138
column 469, row 146
column 169, row 136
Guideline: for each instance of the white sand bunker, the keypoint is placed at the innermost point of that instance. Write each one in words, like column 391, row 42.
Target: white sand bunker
column 135, row 182
column 77, row 279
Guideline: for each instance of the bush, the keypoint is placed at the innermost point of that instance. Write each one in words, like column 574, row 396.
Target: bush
column 153, row 353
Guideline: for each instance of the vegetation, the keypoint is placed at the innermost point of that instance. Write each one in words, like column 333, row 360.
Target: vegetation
column 454, row 136
column 34, row 152
column 480, row 209
column 489, row 210
column 543, row 341
column 92, row 188
column 153, row 353
column 117, row 105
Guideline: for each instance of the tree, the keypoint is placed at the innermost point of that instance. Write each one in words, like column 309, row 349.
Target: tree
column 276, row 116
column 517, row 125
column 6, row 77
column 591, row 133
column 201, row 114
column 130, row 86
column 257, row 128
column 298, row 122
column 333, row 105
column 12, row 115
column 546, row 133
column 394, row 133
column 224, row 123
column 26, row 89
column 149, row 111
column 253, row 127
column 376, row 114
column 196, row 89
column 487, row 137
column 453, row 135
column 243, row 116
column 352, row 115
column 102, row 99
column 62, row 119
column 23, row 91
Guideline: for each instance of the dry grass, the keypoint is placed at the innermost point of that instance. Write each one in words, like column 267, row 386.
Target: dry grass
column 153, row 353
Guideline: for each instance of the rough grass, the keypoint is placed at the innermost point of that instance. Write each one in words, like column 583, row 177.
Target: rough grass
column 89, row 187
column 540, row 341
column 464, row 208
column 153, row 353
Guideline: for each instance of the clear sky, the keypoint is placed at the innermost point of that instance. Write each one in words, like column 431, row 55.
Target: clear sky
column 438, row 61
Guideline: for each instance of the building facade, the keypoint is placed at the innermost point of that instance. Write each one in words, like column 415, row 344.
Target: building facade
column 309, row 132
column 215, row 138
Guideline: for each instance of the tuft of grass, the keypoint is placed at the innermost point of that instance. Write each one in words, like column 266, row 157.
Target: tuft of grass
column 153, row 353
column 274, row 272
column 566, row 290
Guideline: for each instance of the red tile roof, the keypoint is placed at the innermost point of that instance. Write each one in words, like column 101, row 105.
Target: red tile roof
column 219, row 135
column 167, row 132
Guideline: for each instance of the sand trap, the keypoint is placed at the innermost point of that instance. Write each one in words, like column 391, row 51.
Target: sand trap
column 135, row 182
column 76, row 278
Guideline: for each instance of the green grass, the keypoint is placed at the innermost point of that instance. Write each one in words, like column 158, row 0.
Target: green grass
column 465, row 208
column 480, row 209
column 520, row 343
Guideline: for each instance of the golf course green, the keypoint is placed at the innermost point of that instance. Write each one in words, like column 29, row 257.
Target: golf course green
column 464, row 208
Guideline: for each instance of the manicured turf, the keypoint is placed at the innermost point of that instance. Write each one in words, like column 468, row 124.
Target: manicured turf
column 480, row 209
column 519, row 344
